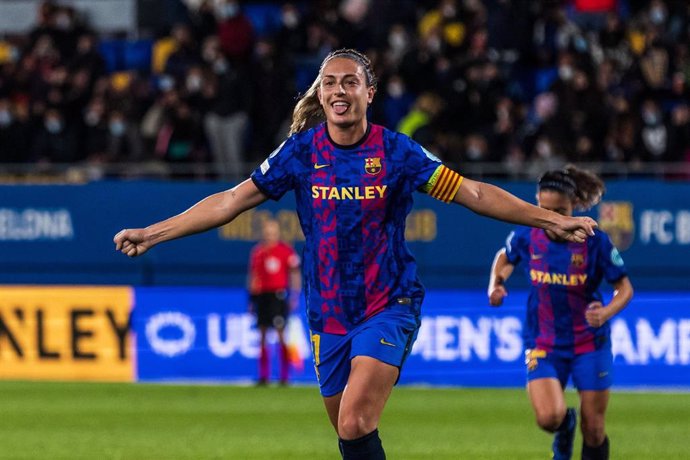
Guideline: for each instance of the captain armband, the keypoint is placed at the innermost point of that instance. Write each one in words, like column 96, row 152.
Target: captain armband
column 443, row 184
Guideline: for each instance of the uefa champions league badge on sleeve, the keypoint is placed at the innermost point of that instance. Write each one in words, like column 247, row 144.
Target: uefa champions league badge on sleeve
column 431, row 156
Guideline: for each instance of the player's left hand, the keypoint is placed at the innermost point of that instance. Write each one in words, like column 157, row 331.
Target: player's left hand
column 596, row 315
column 576, row 229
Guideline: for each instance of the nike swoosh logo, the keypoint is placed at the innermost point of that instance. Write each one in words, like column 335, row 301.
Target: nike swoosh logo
column 318, row 166
column 383, row 342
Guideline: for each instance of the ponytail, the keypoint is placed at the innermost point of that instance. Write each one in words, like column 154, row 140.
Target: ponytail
column 308, row 111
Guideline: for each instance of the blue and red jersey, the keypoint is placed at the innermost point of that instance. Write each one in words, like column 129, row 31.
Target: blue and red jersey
column 352, row 202
column 565, row 278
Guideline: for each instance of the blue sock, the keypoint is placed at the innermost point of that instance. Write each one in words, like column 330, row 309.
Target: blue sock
column 596, row 453
column 368, row 447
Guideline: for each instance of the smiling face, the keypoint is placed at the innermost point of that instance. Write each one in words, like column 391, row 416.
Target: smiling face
column 344, row 95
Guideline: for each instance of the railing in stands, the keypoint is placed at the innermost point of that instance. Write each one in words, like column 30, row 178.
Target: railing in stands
column 75, row 173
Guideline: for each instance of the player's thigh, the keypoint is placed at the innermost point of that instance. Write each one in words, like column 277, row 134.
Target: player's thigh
column 547, row 375
column 368, row 388
column 548, row 401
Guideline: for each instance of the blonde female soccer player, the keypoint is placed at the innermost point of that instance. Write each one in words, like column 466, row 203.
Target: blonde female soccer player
column 353, row 182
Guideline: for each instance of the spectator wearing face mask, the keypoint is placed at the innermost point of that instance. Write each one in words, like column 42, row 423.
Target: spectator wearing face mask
column 396, row 102
column 186, row 52
column 653, row 141
column 291, row 39
column 123, row 141
column 56, row 140
column 11, row 150
column 94, row 130
column 227, row 94
column 235, row 31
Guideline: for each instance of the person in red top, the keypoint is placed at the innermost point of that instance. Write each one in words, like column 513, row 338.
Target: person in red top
column 273, row 282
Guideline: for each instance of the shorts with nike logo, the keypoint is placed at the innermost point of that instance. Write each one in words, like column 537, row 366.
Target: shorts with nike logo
column 588, row 371
column 388, row 336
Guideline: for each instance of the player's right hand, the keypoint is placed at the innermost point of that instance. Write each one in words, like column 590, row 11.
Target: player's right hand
column 496, row 296
column 131, row 242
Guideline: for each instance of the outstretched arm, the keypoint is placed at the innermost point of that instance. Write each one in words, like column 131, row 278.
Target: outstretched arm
column 492, row 201
column 213, row 211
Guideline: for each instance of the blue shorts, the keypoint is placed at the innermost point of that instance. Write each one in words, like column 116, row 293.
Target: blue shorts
column 388, row 336
column 589, row 371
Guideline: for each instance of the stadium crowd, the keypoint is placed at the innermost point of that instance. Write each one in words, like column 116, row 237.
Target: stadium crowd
column 209, row 91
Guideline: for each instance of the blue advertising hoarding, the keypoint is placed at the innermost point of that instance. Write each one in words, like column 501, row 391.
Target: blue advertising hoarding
column 63, row 234
column 206, row 334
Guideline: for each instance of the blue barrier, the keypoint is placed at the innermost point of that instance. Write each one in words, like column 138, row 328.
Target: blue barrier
column 202, row 334
column 63, row 234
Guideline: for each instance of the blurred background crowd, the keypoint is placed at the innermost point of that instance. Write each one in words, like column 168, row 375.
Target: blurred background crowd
column 206, row 88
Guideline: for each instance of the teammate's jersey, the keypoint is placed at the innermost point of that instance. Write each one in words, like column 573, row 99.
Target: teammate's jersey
column 352, row 203
column 269, row 267
column 565, row 279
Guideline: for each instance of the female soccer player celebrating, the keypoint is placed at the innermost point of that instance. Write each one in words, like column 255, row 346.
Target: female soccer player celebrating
column 567, row 330
column 353, row 182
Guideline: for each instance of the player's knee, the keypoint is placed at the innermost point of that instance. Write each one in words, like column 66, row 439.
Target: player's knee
column 353, row 426
column 549, row 420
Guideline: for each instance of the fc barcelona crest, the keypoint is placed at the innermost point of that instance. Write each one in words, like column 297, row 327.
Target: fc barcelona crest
column 372, row 165
column 577, row 260
column 616, row 219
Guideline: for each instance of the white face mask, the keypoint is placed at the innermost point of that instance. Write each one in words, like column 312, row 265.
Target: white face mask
column 474, row 152
column 657, row 15
column 220, row 66
column 229, row 10
column 166, row 83
column 5, row 118
column 194, row 83
column 544, row 149
column 290, row 19
column 92, row 118
column 117, row 128
column 395, row 89
column 566, row 72
column 397, row 41
column 53, row 125
column 434, row 44
column 650, row 117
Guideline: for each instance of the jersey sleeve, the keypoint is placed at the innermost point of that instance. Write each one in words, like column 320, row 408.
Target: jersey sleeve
column 275, row 175
column 293, row 259
column 610, row 260
column 516, row 246
column 428, row 174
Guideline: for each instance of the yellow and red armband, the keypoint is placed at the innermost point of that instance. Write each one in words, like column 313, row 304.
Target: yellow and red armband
column 443, row 184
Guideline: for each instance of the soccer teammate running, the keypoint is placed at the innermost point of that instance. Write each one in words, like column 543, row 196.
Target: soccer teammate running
column 353, row 182
column 567, row 332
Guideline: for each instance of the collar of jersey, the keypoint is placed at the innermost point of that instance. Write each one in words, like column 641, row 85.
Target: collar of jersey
column 350, row 146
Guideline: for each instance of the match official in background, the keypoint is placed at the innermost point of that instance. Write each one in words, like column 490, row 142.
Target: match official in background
column 567, row 332
column 274, row 284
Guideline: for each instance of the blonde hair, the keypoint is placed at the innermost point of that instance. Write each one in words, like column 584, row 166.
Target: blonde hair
column 308, row 111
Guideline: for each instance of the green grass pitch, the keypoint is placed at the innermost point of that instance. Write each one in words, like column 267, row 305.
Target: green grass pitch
column 41, row 420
